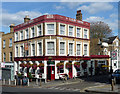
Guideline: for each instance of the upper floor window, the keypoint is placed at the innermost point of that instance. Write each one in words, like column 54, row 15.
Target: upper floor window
column 33, row 49
column 3, row 43
column 50, row 29
column 70, row 48
column 10, row 45
column 62, row 29
column 85, row 49
column 78, row 32
column 71, row 31
column 4, row 57
column 21, row 35
column 78, row 49
column 50, row 48
column 22, row 51
column 27, row 34
column 62, row 47
column 40, row 48
column 16, row 51
column 85, row 33
column 33, row 32
column 39, row 29
column 10, row 56
column 16, row 38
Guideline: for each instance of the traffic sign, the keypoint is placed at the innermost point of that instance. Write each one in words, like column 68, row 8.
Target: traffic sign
column 114, row 55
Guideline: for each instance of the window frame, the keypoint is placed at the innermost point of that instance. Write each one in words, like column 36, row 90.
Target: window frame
column 40, row 41
column 60, row 29
column 86, row 34
column 21, row 35
column 38, row 34
column 73, row 32
column 64, row 47
column 4, row 56
column 87, row 49
column 32, row 31
column 46, row 30
column 80, row 48
column 10, row 56
column 10, row 42
column 46, row 47
column 4, row 43
column 79, row 32
column 69, row 47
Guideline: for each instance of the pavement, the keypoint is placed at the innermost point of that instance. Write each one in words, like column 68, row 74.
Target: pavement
column 95, row 87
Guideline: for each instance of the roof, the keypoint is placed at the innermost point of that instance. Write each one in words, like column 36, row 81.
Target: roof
column 109, row 40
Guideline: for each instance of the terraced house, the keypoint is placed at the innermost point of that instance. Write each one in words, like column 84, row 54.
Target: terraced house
column 52, row 45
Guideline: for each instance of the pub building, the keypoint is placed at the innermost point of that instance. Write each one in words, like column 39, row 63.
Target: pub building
column 52, row 45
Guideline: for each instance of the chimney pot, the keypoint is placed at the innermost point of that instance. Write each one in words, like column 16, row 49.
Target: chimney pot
column 79, row 15
column 26, row 19
column 12, row 27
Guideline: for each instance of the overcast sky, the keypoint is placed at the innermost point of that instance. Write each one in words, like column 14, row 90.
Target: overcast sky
column 14, row 12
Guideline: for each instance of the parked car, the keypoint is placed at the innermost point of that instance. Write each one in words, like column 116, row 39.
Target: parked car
column 116, row 76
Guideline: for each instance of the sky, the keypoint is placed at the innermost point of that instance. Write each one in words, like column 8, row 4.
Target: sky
column 14, row 12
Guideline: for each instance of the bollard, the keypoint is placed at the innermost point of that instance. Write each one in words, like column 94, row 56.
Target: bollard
column 21, row 81
column 40, row 82
column 3, row 81
column 9, row 82
column 28, row 82
column 15, row 82
column 112, row 85
column 36, row 81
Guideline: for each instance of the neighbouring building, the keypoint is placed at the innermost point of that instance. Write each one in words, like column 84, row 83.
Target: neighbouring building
column 111, row 47
column 52, row 45
column 7, row 54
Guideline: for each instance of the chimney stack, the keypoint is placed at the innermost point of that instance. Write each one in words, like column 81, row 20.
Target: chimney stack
column 12, row 28
column 26, row 19
column 79, row 15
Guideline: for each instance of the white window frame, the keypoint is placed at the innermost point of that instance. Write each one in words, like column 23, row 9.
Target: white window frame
column 26, row 33
column 64, row 48
column 40, row 41
column 79, row 32
column 10, row 56
column 23, row 50
column 73, row 30
column 16, row 36
column 16, row 55
column 87, row 49
column 41, row 29
column 31, row 33
column 50, row 40
column 65, row 29
column 80, row 48
column 4, row 43
column 32, row 49
column 21, row 35
column 46, row 33
column 10, row 44
column 73, row 48
column 87, row 33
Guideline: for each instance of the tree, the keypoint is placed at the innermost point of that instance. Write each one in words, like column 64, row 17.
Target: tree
column 100, row 30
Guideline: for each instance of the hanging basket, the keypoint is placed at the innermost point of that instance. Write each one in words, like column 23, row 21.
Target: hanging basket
column 77, row 64
column 22, row 65
column 28, row 65
column 41, row 65
column 68, row 65
column 60, row 65
column 34, row 66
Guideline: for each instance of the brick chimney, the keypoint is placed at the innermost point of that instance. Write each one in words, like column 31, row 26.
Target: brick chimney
column 26, row 19
column 79, row 15
column 12, row 28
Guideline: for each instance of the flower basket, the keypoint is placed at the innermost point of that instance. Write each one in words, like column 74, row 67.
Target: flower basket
column 22, row 65
column 34, row 66
column 77, row 64
column 60, row 65
column 28, row 65
column 68, row 65
column 41, row 65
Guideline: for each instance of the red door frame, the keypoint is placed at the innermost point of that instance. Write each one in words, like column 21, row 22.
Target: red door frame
column 71, row 72
column 52, row 75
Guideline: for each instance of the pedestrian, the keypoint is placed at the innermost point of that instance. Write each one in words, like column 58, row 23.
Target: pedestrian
column 25, row 80
column 16, row 77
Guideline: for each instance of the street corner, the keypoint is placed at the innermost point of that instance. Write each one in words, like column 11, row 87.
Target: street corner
column 102, row 89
